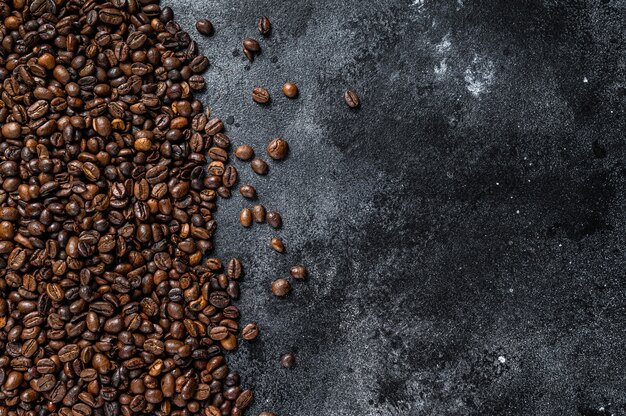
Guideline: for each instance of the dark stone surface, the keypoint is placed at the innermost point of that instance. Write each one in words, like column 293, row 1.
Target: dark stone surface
column 464, row 230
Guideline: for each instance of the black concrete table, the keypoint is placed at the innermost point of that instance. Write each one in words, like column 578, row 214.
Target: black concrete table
column 464, row 230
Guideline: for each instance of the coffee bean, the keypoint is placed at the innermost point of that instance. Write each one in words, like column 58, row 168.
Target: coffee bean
column 247, row 191
column 277, row 149
column 258, row 213
column 259, row 166
column 244, row 152
column 264, row 26
column 245, row 217
column 260, row 95
column 267, row 414
column 277, row 244
column 298, row 272
column 245, row 399
column 234, row 269
column 251, row 45
column 290, row 90
column 250, row 332
column 205, row 27
column 352, row 99
column 288, row 360
column 274, row 219
column 281, row 287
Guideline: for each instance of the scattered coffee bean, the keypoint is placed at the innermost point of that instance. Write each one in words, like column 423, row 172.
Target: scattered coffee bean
column 281, row 287
column 250, row 332
column 264, row 26
column 274, row 219
column 277, row 149
column 244, row 152
column 205, row 27
column 260, row 95
column 352, row 99
column 290, row 90
column 247, row 191
column 259, row 166
column 298, row 272
column 277, row 244
column 259, row 213
column 288, row 360
column 251, row 44
column 245, row 217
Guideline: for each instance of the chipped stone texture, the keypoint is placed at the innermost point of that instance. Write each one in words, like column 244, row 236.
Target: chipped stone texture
column 472, row 209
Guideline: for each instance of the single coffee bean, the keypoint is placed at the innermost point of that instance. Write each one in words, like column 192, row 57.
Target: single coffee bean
column 267, row 414
column 290, row 90
column 205, row 27
column 250, row 332
column 274, row 219
column 352, row 99
column 281, row 287
column 264, row 26
column 234, row 269
column 247, row 191
column 251, row 45
column 288, row 360
column 277, row 244
column 258, row 213
column 245, row 399
column 277, row 149
column 260, row 95
column 298, row 272
column 259, row 166
column 244, row 152
column 245, row 217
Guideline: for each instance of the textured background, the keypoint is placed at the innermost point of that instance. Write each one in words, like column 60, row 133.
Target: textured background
column 464, row 230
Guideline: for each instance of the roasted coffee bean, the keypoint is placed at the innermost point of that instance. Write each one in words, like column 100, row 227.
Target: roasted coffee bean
column 274, row 219
column 288, row 360
column 264, row 26
column 245, row 217
column 247, row 191
column 259, row 166
column 251, row 45
column 352, row 99
column 290, row 90
column 267, row 414
column 259, row 213
column 281, row 287
column 205, row 27
column 244, row 152
column 277, row 244
column 260, row 95
column 277, row 149
column 250, row 332
column 298, row 272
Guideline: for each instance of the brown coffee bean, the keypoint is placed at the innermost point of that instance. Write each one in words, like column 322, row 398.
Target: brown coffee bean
column 298, row 272
column 281, row 287
column 277, row 149
column 259, row 166
column 250, row 332
column 234, row 269
column 245, row 399
column 11, row 130
column 277, row 244
column 251, row 45
column 204, row 27
column 245, row 217
column 290, row 90
column 247, row 191
column 258, row 213
column 267, row 414
column 352, row 99
column 274, row 219
column 288, row 360
column 260, row 95
column 218, row 333
column 244, row 152
column 264, row 26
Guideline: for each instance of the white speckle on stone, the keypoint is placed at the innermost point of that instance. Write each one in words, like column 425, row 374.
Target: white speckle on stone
column 441, row 69
column 418, row 3
column 585, row 80
column 479, row 76
column 502, row 359
column 445, row 45
column 517, row 212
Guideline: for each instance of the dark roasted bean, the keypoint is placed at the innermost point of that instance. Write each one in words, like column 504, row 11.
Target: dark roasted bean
column 260, row 95
column 352, row 99
column 290, row 90
column 205, row 27
column 277, row 149
column 264, row 26
column 288, row 360
column 281, row 287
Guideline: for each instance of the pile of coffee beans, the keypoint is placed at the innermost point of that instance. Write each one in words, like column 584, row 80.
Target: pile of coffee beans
column 110, row 172
column 108, row 304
